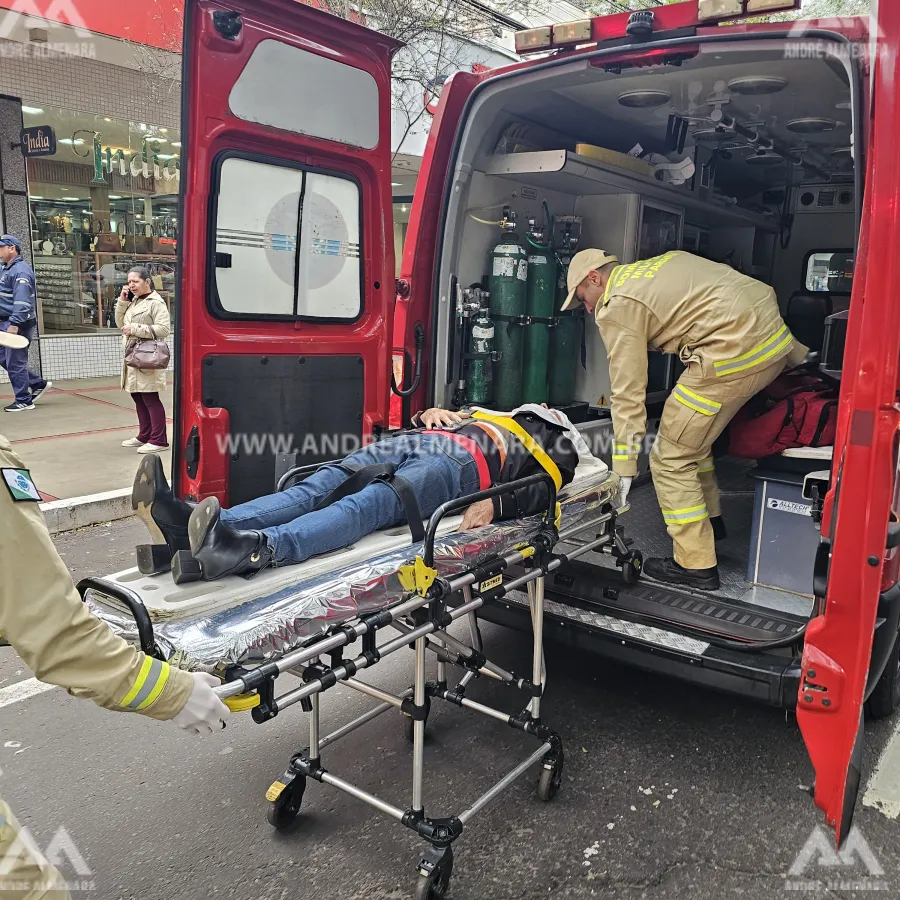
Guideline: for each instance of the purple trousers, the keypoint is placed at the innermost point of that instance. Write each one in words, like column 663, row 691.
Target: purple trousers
column 152, row 419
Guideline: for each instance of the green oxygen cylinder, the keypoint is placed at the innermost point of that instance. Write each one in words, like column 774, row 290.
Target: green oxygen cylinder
column 565, row 336
column 507, row 283
column 539, row 307
column 479, row 374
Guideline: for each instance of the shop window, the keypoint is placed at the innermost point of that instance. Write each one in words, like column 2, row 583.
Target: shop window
column 829, row 271
column 287, row 243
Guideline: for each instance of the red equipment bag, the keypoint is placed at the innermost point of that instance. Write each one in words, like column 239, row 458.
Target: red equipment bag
column 795, row 410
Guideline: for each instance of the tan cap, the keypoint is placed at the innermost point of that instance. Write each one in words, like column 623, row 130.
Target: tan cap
column 13, row 341
column 583, row 263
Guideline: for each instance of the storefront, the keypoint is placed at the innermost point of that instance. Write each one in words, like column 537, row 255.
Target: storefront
column 105, row 201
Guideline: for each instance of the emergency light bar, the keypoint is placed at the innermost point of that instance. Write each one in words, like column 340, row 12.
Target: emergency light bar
column 660, row 18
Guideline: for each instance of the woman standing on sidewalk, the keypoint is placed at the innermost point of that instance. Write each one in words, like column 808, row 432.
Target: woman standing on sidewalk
column 142, row 314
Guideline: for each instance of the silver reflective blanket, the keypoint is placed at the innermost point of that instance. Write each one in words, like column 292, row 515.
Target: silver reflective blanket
column 268, row 623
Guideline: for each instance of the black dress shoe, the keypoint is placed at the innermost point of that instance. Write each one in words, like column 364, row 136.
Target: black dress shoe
column 669, row 572
column 165, row 516
column 222, row 550
column 718, row 526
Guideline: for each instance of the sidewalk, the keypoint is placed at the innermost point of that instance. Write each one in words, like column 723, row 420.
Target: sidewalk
column 72, row 440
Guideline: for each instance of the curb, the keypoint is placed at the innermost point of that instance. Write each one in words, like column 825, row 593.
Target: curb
column 93, row 509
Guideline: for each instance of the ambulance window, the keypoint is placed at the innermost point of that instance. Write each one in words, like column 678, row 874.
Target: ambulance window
column 829, row 271
column 287, row 243
column 295, row 90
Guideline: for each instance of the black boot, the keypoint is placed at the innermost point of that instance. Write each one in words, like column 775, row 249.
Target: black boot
column 669, row 572
column 718, row 526
column 165, row 516
column 222, row 550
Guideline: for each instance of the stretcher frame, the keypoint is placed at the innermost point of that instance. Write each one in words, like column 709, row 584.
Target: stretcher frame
column 422, row 622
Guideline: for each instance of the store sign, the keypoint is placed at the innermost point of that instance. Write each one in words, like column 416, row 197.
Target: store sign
column 144, row 163
column 38, row 141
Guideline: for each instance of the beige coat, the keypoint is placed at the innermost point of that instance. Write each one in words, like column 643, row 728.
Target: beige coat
column 725, row 327
column 58, row 638
column 148, row 317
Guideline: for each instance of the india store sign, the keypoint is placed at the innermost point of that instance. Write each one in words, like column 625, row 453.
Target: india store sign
column 145, row 162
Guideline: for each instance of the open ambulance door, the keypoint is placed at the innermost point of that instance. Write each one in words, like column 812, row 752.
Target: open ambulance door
column 839, row 644
column 286, row 269
column 415, row 306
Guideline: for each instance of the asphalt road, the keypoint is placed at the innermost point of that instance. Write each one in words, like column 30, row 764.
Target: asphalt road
column 670, row 792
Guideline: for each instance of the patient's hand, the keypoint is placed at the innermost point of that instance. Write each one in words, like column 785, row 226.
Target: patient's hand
column 478, row 515
column 440, row 418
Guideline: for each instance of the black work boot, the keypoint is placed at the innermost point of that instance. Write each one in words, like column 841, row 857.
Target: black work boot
column 718, row 527
column 669, row 572
column 222, row 550
column 165, row 516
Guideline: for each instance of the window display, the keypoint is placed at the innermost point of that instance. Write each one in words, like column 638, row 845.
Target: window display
column 106, row 200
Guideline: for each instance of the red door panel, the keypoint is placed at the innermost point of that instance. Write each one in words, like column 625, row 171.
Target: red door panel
column 414, row 306
column 285, row 101
column 838, row 644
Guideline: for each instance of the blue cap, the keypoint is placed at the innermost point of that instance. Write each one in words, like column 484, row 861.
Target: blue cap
column 10, row 240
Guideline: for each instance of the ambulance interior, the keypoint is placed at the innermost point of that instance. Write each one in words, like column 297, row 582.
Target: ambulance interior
column 752, row 165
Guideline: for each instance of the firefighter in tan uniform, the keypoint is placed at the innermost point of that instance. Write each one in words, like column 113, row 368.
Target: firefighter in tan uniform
column 727, row 330
column 43, row 618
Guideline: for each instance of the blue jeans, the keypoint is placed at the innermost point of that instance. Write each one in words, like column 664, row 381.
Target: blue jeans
column 437, row 469
column 23, row 380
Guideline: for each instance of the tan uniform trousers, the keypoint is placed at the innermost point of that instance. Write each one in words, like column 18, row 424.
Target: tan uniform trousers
column 23, row 874
column 684, row 476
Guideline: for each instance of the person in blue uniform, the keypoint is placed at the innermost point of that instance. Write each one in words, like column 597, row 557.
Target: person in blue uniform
column 18, row 315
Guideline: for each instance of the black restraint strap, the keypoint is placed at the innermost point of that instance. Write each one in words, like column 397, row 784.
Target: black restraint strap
column 403, row 489
column 360, row 478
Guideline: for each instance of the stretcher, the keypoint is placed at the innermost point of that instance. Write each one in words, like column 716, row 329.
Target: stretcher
column 302, row 619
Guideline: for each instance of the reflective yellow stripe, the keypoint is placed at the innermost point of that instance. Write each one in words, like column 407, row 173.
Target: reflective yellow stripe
column 622, row 457
column 148, row 685
column 531, row 445
column 706, row 465
column 685, row 516
column 757, row 355
column 624, row 452
column 609, row 282
column 695, row 401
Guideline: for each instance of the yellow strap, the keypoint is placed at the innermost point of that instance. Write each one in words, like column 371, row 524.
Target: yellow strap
column 530, row 444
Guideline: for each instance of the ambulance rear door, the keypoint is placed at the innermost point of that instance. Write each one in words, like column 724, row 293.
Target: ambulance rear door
column 286, row 269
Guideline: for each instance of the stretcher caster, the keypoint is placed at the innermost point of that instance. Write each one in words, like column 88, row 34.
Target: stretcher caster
column 550, row 779
column 632, row 565
column 285, row 797
column 435, row 869
column 409, row 722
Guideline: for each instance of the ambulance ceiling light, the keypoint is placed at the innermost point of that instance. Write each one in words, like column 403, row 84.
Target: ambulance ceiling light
column 714, row 136
column 754, row 85
column 762, row 160
column 644, row 99
column 811, row 125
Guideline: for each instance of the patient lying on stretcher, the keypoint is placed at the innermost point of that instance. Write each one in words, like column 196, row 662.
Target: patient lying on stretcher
column 401, row 479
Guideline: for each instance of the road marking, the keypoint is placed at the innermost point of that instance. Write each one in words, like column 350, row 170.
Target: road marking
column 22, row 690
column 883, row 789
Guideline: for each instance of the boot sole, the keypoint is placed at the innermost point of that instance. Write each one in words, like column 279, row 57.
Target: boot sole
column 202, row 519
column 142, row 495
column 708, row 585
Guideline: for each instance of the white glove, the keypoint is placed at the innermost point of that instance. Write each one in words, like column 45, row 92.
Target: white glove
column 204, row 712
column 624, row 488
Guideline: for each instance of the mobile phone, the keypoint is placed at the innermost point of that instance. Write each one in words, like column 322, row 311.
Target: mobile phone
column 129, row 296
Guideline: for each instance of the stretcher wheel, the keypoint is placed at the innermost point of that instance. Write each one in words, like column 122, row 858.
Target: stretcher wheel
column 632, row 565
column 434, row 884
column 550, row 779
column 409, row 722
column 284, row 810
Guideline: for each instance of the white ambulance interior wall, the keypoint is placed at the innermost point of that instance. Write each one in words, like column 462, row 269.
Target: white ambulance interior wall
column 811, row 232
column 734, row 246
column 609, row 223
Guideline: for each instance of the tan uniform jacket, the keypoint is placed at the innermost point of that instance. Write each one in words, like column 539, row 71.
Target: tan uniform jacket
column 722, row 324
column 43, row 618
column 149, row 320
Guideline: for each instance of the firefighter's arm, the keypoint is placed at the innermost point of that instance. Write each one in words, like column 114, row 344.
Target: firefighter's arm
column 43, row 618
column 626, row 347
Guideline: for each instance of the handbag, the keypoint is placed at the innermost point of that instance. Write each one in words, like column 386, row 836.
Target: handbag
column 147, row 354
